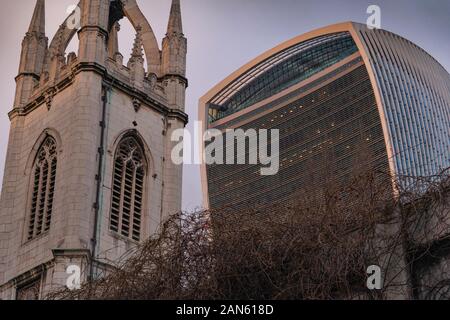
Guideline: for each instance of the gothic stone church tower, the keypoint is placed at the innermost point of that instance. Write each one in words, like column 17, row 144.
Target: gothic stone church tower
column 88, row 171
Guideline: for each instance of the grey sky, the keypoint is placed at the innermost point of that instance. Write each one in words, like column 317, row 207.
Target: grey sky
column 225, row 34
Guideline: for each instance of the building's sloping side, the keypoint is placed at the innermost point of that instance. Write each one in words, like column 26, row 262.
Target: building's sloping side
column 415, row 93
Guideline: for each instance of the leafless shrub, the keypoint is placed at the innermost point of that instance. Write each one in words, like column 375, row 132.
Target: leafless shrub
column 317, row 246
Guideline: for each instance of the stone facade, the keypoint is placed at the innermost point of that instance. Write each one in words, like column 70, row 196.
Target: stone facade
column 416, row 246
column 87, row 102
column 429, row 244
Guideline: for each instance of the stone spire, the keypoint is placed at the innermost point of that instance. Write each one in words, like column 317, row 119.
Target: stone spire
column 174, row 50
column 136, row 62
column 94, row 28
column 37, row 24
column 34, row 50
column 137, row 55
column 175, row 25
column 174, row 44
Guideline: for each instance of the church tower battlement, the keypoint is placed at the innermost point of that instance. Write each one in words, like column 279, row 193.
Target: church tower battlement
column 88, row 171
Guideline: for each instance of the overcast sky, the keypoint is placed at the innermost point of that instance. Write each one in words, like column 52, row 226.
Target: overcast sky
column 225, row 34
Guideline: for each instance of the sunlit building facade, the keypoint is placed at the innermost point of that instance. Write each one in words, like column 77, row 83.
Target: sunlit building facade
column 339, row 96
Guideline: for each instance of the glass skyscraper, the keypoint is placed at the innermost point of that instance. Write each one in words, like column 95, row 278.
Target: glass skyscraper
column 336, row 94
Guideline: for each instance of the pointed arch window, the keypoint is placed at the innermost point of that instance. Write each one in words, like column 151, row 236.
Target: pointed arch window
column 128, row 189
column 43, row 189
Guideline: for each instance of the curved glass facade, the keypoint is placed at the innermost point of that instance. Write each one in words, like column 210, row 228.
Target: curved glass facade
column 331, row 108
column 324, row 134
column 285, row 70
column 415, row 93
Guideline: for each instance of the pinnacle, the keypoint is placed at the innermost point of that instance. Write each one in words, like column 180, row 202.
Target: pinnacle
column 175, row 22
column 37, row 24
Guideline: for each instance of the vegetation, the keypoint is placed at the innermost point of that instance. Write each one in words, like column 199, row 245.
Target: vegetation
column 317, row 246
